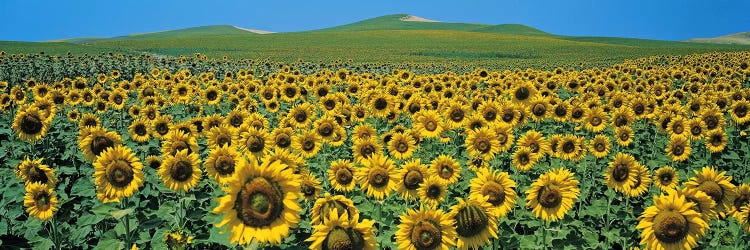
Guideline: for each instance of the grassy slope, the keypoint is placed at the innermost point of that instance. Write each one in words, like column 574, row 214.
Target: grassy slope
column 54, row 48
column 738, row 38
column 393, row 22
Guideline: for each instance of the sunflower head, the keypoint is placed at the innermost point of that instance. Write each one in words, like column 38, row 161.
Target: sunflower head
column 40, row 201
column 474, row 224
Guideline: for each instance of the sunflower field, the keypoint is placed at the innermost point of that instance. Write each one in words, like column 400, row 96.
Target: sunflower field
column 126, row 152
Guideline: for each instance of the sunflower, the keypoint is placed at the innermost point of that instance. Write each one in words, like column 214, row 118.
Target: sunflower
column 523, row 159
column 538, row 108
column 697, row 128
column 671, row 223
column 118, row 173
column 95, row 140
column 180, row 172
column 236, row 118
column 153, row 161
column 621, row 174
column 535, row 142
column 743, row 199
column 432, row 191
column 523, row 92
column 489, row 111
column 552, row 194
column 30, row 124
column 253, row 141
column 301, row 115
column 325, row 127
column 595, row 120
column 455, row 114
column 666, row 178
column 678, row 148
column 624, row 135
column 716, row 140
column 309, row 185
column 429, row 123
column 622, row 117
column 161, row 126
column 343, row 231
column 40, row 201
column 713, row 117
column 212, row 121
column 139, row 130
column 642, row 181
column 498, row 187
column 117, row 99
column 410, row 177
column 474, row 223
column 341, row 175
column 599, row 146
column 178, row 140
column 366, row 148
column 509, row 114
column 381, row 104
column 33, row 171
column 212, row 95
column 446, row 168
column 327, row 204
column 743, row 217
column 307, row 144
column 482, row 143
column 739, row 111
column 504, row 137
column 703, row 203
column 425, row 229
column 715, row 184
column 261, row 203
column 222, row 163
column 401, row 145
column 220, row 136
column 678, row 126
column 282, row 137
column 363, row 131
column 377, row 177
column 571, row 148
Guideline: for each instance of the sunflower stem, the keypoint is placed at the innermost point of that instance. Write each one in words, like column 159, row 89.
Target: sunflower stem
column 123, row 205
column 55, row 238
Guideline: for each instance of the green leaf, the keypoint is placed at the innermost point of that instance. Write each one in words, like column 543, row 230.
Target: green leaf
column 84, row 188
column 108, row 244
column 121, row 213
column 41, row 243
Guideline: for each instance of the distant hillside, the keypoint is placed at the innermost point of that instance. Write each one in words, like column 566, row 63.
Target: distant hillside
column 517, row 29
column 212, row 30
column 737, row 38
column 401, row 22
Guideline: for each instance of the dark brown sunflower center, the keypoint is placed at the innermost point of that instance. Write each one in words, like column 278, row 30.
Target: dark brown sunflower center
column 426, row 235
column 678, row 128
column 37, row 175
column 211, row 95
column 308, row 144
column 182, row 171
column 378, row 177
column 412, row 179
column 711, row 122
column 639, row 109
column 140, row 129
column 495, row 191
column 666, row 178
column 117, row 99
column 344, row 176
column 236, row 121
column 471, row 220
column 740, row 111
column 624, row 136
column 696, row 130
column 522, row 93
column 712, row 189
column 549, row 197
column 222, row 140
column 716, row 139
column 283, row 140
column 100, row 143
column 259, row 202
column 325, row 130
column 446, row 171
column 430, row 125
column 367, row 150
column 741, row 200
column 162, row 128
column 483, row 145
column 120, row 174
column 155, row 164
column 42, row 201
column 457, row 115
column 225, row 165
column 502, row 138
column 596, row 121
column 600, row 147
column 255, row 144
column 678, row 149
column 620, row 172
column 307, row 190
column 621, row 121
column 577, row 114
column 344, row 239
column 381, row 103
column 523, row 158
column 561, row 111
column 402, row 147
column 568, row 147
column 539, row 109
column 508, row 116
column 31, row 124
column 490, row 115
column 670, row 227
column 434, row 191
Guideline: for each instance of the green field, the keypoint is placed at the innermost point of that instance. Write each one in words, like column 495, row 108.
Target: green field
column 386, row 39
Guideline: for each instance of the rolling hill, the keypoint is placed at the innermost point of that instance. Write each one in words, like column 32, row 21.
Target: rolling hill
column 737, row 38
column 387, row 39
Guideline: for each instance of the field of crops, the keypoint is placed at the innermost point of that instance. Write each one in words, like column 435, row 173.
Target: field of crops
column 121, row 151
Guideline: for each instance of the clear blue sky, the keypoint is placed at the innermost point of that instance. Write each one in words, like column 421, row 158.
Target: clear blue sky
column 36, row 20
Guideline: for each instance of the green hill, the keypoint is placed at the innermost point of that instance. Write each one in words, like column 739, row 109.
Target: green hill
column 397, row 22
column 213, row 30
column 737, row 38
column 517, row 29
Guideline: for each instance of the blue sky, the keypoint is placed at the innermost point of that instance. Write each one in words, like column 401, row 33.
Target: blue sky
column 36, row 20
